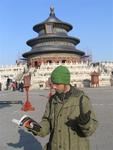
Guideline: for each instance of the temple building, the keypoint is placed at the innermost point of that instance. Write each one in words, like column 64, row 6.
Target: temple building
column 51, row 48
column 53, row 44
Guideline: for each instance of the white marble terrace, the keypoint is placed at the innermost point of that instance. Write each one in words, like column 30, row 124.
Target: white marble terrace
column 39, row 77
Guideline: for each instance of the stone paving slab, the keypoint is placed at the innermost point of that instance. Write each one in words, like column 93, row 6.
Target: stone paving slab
column 14, row 138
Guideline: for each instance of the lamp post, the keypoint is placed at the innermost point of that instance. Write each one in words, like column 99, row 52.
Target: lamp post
column 27, row 105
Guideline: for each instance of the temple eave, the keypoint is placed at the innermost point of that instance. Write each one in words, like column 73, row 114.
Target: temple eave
column 39, row 52
column 34, row 41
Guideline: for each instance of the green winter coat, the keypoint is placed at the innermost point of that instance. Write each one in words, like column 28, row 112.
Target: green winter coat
column 56, row 115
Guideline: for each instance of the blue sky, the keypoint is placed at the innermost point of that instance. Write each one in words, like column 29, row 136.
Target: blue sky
column 92, row 22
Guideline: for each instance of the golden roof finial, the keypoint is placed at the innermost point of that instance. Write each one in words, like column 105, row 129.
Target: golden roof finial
column 52, row 10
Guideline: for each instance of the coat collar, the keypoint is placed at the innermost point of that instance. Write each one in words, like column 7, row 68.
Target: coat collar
column 74, row 92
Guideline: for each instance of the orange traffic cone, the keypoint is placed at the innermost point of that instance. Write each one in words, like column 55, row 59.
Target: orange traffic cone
column 27, row 106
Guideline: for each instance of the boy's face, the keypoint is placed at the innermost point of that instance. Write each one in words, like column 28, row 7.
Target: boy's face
column 58, row 87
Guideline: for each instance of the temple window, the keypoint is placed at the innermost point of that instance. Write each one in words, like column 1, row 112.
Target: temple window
column 57, row 30
column 49, row 28
column 49, row 61
column 63, row 61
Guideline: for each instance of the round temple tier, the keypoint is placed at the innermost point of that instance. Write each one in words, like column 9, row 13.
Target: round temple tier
column 53, row 39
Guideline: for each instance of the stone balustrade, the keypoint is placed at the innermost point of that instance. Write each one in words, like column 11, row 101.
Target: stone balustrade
column 80, row 71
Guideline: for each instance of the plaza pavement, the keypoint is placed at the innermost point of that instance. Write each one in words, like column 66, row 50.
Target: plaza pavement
column 14, row 138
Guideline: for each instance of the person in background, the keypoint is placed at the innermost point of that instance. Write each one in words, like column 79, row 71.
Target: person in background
column 21, row 86
column 69, row 117
column 8, row 82
column 0, row 86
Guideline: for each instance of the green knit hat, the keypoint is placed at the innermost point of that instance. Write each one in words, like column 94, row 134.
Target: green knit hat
column 60, row 75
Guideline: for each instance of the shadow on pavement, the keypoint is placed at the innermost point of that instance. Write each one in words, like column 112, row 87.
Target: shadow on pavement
column 4, row 105
column 27, row 142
